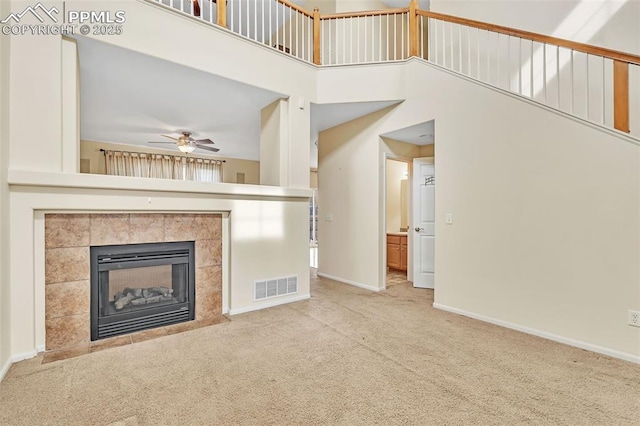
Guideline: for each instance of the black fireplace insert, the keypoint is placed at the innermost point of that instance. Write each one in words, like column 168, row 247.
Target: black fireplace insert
column 140, row 286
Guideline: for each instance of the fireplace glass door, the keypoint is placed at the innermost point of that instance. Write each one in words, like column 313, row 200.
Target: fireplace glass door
column 140, row 286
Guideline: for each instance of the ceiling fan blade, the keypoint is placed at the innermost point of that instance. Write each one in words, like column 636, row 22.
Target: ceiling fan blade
column 204, row 141
column 173, row 143
column 196, row 8
column 208, row 148
column 173, row 136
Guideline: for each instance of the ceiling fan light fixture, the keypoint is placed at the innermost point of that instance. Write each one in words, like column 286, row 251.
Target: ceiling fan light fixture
column 186, row 148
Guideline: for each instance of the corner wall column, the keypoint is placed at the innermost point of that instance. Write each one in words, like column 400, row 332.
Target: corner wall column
column 274, row 143
column 70, row 107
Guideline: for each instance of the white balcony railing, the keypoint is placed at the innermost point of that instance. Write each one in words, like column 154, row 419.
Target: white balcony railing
column 377, row 36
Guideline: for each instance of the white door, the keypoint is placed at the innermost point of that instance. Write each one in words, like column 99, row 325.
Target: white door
column 423, row 224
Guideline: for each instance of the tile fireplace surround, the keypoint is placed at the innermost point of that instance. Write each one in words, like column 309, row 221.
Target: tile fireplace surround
column 67, row 289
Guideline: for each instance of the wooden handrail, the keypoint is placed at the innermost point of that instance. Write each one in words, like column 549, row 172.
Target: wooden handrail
column 295, row 7
column 365, row 13
column 580, row 47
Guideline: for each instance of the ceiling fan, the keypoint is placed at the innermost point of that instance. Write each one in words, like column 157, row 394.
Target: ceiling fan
column 187, row 144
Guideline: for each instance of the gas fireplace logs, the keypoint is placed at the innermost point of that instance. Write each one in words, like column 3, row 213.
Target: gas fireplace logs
column 141, row 296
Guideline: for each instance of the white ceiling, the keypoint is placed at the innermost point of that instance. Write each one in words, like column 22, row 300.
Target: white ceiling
column 326, row 116
column 418, row 134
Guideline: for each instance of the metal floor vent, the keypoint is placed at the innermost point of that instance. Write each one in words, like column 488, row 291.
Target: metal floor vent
column 273, row 288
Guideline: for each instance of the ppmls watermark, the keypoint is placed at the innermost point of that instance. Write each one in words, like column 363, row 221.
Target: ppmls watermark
column 50, row 21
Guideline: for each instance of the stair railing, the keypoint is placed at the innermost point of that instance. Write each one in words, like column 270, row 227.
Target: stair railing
column 365, row 37
column 586, row 81
column 583, row 80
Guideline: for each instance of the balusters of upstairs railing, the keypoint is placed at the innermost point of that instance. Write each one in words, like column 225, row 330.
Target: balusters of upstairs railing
column 277, row 23
column 364, row 37
column 592, row 83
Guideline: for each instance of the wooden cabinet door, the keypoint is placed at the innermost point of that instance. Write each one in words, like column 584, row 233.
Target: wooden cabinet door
column 393, row 256
column 403, row 257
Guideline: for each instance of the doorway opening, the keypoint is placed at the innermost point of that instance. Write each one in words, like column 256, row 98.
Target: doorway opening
column 397, row 208
column 313, row 220
column 407, row 244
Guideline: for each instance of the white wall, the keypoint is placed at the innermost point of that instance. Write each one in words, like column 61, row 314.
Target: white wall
column 396, row 172
column 36, row 92
column 533, row 196
column 546, row 207
column 607, row 23
column 5, row 348
column 325, row 6
column 274, row 143
column 348, row 184
column 343, row 6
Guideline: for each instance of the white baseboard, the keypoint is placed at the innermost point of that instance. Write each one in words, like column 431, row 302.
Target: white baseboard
column 14, row 359
column 40, row 348
column 26, row 355
column 5, row 368
column 354, row 283
column 550, row 336
column 269, row 304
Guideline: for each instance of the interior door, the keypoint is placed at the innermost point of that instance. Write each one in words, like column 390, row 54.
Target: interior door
column 423, row 225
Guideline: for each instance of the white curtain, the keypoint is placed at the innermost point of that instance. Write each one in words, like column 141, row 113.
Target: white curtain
column 127, row 163
column 178, row 164
column 160, row 166
column 122, row 163
column 203, row 170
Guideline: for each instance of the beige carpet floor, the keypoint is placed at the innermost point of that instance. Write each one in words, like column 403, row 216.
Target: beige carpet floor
column 346, row 356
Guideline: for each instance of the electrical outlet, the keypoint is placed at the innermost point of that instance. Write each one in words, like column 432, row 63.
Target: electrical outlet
column 634, row 318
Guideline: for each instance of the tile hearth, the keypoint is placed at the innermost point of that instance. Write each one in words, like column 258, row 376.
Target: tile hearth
column 67, row 290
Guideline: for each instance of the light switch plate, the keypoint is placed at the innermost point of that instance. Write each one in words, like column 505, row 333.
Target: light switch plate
column 448, row 218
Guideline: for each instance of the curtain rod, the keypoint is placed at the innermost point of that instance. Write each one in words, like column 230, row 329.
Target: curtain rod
column 134, row 152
